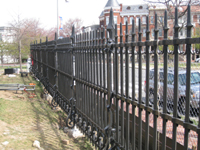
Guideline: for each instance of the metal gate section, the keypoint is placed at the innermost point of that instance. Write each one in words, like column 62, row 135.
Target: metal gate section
column 115, row 93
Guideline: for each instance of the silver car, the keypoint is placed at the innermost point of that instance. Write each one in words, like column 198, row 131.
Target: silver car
column 195, row 89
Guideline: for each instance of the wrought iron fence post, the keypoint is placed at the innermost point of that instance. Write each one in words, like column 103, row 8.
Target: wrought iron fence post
column 127, row 88
column 122, row 84
column 71, row 53
column 134, row 103
column 110, row 42
column 56, row 61
column 176, row 68
column 147, row 85
column 155, row 111
column 165, row 49
column 188, row 79
column 140, row 86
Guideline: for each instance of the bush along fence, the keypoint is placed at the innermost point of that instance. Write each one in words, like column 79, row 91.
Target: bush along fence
column 92, row 78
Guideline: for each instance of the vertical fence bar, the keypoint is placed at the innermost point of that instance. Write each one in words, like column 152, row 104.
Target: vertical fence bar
column 79, row 63
column 56, row 61
column 101, row 85
column 122, row 94
column 91, row 76
column 115, row 63
column 84, row 73
column 165, row 47
column 97, row 74
column 155, row 111
column 127, row 89
column 87, row 74
column 47, row 64
column 80, row 85
column 133, row 88
column 71, row 60
column 176, row 59
column 94, row 77
column 140, row 87
column 147, row 85
column 188, row 76
column 104, row 80
column 110, row 36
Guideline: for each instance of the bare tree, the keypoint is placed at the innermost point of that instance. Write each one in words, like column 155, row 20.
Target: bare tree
column 67, row 27
column 25, row 31
column 2, row 51
column 20, row 27
column 171, row 4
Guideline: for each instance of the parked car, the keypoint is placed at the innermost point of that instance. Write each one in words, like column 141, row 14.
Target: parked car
column 195, row 89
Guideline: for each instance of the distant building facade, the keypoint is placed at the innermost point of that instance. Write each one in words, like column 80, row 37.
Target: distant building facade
column 6, row 36
column 123, row 13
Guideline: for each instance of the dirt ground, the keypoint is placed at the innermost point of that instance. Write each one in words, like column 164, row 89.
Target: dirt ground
column 24, row 120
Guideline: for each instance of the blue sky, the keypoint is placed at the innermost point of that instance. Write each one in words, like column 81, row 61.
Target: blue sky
column 46, row 10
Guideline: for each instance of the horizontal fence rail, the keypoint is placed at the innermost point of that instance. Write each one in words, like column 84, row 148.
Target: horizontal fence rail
column 125, row 95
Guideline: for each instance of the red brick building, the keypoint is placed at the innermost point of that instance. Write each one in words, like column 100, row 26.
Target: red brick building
column 123, row 13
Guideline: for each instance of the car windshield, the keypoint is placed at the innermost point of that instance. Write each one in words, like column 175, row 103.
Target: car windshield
column 195, row 78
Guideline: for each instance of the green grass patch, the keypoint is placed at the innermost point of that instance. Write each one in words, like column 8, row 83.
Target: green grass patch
column 30, row 119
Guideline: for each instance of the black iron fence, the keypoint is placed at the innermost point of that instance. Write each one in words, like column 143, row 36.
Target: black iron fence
column 123, row 103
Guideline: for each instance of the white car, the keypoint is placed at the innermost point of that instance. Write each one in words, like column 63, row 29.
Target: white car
column 195, row 89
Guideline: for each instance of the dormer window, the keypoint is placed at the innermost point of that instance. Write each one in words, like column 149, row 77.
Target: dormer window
column 140, row 7
column 128, row 8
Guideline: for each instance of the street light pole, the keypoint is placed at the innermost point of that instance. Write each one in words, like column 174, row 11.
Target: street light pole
column 58, row 20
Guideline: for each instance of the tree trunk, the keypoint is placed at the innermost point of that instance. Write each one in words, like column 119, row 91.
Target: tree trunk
column 2, row 58
column 20, row 57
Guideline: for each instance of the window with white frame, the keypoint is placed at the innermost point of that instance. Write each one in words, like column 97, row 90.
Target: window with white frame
column 160, row 32
column 115, row 19
column 144, row 20
column 131, row 19
column 125, row 20
column 107, row 20
column 152, row 20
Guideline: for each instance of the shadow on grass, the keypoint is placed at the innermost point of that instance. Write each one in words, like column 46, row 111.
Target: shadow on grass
column 51, row 138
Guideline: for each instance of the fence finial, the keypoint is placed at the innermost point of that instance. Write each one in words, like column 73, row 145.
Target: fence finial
column 189, row 24
column 46, row 39
column 111, row 25
column 165, row 28
column 73, row 34
column 176, row 26
column 56, row 36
